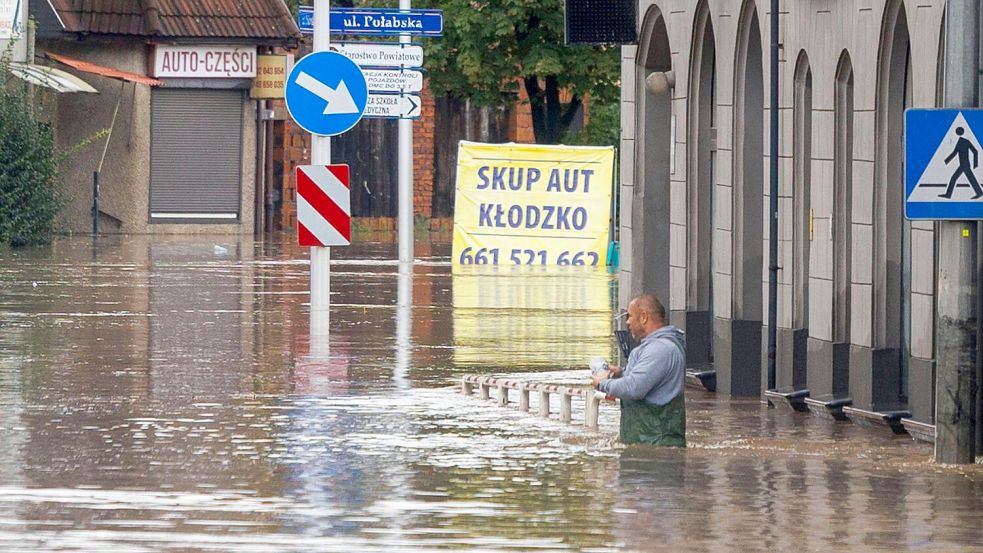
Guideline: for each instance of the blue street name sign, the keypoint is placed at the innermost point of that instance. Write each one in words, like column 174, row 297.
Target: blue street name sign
column 326, row 93
column 943, row 164
column 379, row 22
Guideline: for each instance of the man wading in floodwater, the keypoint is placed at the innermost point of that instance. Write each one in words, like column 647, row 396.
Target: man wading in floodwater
column 650, row 386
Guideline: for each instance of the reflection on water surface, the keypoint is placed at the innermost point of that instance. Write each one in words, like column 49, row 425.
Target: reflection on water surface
column 163, row 394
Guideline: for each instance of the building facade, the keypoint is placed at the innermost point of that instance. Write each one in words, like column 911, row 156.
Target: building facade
column 185, row 152
column 856, row 288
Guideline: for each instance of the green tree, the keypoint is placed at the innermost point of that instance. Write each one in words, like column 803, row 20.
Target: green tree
column 29, row 200
column 492, row 47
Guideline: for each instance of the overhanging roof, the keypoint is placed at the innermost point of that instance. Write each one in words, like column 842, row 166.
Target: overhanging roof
column 55, row 79
column 96, row 69
column 208, row 19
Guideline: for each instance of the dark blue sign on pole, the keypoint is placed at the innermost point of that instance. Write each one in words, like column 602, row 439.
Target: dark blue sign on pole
column 942, row 164
column 379, row 22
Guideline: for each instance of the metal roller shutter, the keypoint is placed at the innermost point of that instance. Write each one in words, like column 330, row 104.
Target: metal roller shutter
column 196, row 155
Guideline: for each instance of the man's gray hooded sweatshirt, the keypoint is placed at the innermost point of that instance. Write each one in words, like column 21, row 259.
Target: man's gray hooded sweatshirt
column 653, row 410
column 656, row 369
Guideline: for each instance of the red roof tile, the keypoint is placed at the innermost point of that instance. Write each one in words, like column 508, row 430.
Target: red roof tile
column 179, row 18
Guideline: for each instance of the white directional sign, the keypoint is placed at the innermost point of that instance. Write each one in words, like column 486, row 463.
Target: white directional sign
column 393, row 106
column 392, row 54
column 393, row 80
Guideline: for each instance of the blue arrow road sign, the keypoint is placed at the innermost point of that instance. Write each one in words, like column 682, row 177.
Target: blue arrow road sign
column 943, row 164
column 381, row 22
column 326, row 93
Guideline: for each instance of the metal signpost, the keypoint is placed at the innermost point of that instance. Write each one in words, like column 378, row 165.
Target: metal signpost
column 326, row 95
column 388, row 98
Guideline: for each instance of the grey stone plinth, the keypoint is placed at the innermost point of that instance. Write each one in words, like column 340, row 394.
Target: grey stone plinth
column 887, row 419
column 788, row 399
column 737, row 357
column 828, row 406
column 920, row 431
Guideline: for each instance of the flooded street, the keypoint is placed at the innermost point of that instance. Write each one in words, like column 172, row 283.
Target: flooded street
column 163, row 394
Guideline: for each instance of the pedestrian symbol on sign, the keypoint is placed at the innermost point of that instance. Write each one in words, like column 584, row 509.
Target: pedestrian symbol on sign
column 962, row 149
column 942, row 164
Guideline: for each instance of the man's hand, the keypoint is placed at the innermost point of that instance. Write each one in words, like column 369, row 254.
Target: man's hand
column 615, row 371
column 600, row 377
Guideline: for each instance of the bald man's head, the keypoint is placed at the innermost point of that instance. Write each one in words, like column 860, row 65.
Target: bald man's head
column 650, row 304
column 646, row 314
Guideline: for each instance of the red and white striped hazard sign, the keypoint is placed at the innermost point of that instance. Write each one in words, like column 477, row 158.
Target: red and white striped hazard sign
column 324, row 213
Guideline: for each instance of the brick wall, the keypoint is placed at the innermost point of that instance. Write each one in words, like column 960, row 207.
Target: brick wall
column 423, row 144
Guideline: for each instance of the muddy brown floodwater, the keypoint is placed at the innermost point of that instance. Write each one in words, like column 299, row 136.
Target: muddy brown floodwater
column 162, row 394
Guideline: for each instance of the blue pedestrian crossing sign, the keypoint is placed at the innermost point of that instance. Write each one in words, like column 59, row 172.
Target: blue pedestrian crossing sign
column 943, row 165
column 326, row 93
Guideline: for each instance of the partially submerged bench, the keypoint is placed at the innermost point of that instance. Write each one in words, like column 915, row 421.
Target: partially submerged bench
column 889, row 416
column 829, row 406
column 591, row 398
column 788, row 398
column 701, row 378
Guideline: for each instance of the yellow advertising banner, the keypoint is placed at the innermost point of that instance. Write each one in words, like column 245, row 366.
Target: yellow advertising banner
column 526, row 204
column 271, row 75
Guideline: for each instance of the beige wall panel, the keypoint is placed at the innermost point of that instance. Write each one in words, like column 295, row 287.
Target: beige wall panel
column 722, row 252
column 784, row 304
column 677, row 287
column 723, row 308
column 723, row 208
column 862, row 254
column 922, row 262
column 627, row 202
column 821, row 308
column 677, row 202
column 922, row 326
column 860, row 314
column 677, row 246
column 821, row 250
column 863, row 134
column 863, row 192
column 627, row 162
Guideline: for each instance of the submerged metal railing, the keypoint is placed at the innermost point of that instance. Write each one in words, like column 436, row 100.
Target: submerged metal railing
column 484, row 384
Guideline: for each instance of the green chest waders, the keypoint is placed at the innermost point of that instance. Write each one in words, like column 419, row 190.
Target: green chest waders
column 645, row 423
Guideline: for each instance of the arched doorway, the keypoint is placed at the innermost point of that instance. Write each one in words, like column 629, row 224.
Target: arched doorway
column 739, row 372
column 878, row 374
column 650, row 206
column 700, row 159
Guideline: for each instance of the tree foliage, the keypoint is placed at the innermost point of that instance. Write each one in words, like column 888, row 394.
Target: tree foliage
column 29, row 200
column 491, row 48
